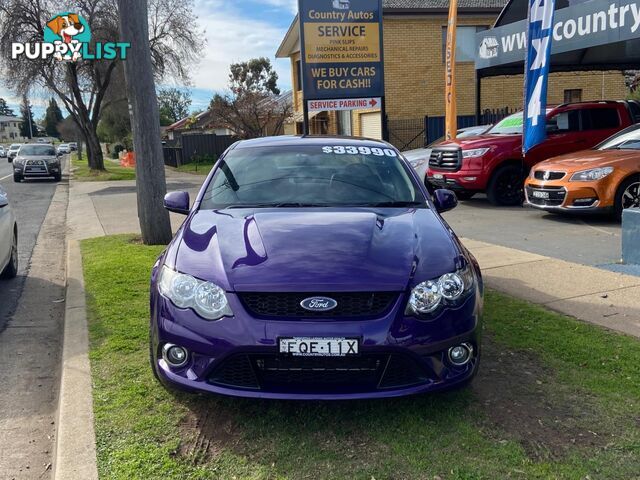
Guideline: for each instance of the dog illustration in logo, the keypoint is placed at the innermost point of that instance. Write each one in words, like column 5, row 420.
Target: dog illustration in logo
column 341, row 4
column 67, row 26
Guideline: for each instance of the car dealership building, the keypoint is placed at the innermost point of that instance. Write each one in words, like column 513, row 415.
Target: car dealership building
column 414, row 44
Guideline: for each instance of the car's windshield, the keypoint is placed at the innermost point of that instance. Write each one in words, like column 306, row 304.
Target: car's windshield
column 309, row 176
column 37, row 150
column 628, row 139
column 14, row 147
column 510, row 125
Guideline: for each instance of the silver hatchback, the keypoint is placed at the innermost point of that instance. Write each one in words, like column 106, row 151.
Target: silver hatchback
column 8, row 239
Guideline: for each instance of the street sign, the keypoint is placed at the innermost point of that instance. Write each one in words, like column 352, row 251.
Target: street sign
column 341, row 47
column 344, row 104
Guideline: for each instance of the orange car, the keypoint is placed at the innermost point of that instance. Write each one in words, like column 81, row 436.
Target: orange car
column 605, row 179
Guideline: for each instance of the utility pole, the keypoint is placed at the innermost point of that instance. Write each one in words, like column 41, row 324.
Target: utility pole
column 145, row 123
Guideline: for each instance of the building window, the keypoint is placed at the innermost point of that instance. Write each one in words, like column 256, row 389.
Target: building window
column 298, row 74
column 344, row 123
column 465, row 42
column 573, row 95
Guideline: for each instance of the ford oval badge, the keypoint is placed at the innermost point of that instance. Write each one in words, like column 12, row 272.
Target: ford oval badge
column 318, row 304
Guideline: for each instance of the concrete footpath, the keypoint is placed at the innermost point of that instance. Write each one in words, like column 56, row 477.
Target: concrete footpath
column 96, row 209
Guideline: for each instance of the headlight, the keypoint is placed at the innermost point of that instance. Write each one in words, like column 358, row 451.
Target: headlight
column 205, row 298
column 476, row 152
column 18, row 160
column 449, row 289
column 591, row 175
column 418, row 163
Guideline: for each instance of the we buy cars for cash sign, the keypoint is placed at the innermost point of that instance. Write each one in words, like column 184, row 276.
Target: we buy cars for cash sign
column 341, row 46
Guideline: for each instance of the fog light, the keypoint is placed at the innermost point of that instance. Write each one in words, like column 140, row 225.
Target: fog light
column 469, row 179
column 584, row 202
column 175, row 355
column 460, row 354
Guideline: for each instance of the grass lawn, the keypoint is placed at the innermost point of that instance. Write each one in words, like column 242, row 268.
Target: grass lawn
column 555, row 398
column 113, row 171
column 202, row 168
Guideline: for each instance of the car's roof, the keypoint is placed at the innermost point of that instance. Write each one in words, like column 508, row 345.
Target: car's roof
column 309, row 140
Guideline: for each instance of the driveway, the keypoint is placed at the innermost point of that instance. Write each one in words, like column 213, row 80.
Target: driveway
column 589, row 240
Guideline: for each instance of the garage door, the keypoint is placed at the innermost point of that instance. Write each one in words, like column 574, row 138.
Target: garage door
column 371, row 125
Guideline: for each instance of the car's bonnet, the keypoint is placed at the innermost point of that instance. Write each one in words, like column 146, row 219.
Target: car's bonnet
column 315, row 251
column 572, row 162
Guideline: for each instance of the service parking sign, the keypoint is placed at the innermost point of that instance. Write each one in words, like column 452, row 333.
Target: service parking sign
column 341, row 45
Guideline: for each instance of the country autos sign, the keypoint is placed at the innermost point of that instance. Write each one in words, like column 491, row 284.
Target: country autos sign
column 584, row 25
column 341, row 46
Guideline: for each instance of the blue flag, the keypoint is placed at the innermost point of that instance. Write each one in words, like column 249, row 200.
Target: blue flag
column 536, row 78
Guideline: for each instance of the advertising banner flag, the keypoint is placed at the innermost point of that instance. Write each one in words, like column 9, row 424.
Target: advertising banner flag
column 539, row 38
column 451, row 110
column 341, row 46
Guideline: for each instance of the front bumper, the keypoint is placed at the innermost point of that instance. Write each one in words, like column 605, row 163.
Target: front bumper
column 462, row 180
column 566, row 197
column 40, row 170
column 238, row 356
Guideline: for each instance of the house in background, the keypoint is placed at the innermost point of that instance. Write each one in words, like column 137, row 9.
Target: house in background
column 414, row 46
column 207, row 123
column 10, row 129
column 193, row 124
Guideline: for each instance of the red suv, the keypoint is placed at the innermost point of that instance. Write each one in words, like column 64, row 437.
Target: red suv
column 493, row 162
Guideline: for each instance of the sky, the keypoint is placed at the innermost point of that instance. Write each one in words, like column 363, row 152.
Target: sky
column 235, row 30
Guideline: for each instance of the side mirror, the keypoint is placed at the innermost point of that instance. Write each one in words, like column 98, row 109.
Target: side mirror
column 177, row 202
column 445, row 200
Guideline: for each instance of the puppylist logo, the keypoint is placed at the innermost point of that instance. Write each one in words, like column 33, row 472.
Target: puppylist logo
column 67, row 37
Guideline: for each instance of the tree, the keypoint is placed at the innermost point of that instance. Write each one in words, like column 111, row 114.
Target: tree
column 4, row 109
column 254, row 107
column 82, row 86
column 52, row 117
column 27, row 126
column 141, row 91
column 115, row 125
column 174, row 105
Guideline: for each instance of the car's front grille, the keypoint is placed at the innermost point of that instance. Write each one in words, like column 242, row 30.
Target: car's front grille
column 552, row 196
column 287, row 305
column 548, row 175
column 446, row 158
column 358, row 373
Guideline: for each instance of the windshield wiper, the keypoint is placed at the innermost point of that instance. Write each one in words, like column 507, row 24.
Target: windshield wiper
column 393, row 204
column 276, row 205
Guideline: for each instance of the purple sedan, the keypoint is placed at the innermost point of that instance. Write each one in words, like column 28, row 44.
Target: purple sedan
column 315, row 268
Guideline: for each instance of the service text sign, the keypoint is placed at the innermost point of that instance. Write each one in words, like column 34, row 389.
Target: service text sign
column 341, row 46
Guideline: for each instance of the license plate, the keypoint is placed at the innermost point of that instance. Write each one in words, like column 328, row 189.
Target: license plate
column 319, row 347
column 438, row 176
column 538, row 194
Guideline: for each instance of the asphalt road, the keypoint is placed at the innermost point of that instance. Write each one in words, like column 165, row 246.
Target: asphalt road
column 589, row 240
column 29, row 202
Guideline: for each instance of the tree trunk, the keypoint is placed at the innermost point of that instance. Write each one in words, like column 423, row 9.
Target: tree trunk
column 94, row 150
column 145, row 123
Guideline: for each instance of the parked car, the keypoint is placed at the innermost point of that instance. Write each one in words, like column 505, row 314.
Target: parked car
column 13, row 150
column 8, row 239
column 604, row 179
column 64, row 149
column 37, row 161
column 314, row 268
column 3, row 152
column 73, row 146
column 493, row 162
column 419, row 158
column 43, row 140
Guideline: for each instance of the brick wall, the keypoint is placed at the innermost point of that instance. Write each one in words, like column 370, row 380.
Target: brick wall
column 414, row 73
